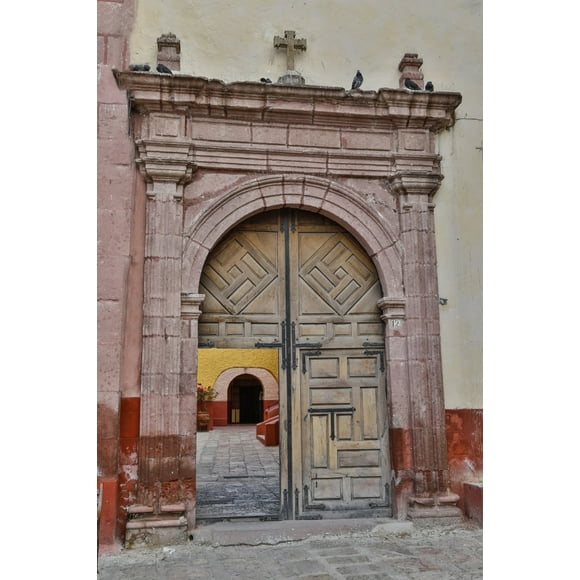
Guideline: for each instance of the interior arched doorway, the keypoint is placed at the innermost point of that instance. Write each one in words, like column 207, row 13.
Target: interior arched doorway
column 245, row 401
column 294, row 282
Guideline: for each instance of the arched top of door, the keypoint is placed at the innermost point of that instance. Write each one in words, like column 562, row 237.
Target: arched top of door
column 316, row 194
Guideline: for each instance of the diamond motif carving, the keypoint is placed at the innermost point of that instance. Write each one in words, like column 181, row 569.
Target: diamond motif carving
column 238, row 273
column 339, row 274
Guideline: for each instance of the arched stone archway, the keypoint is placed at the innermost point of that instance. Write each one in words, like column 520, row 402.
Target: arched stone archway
column 371, row 228
column 368, row 162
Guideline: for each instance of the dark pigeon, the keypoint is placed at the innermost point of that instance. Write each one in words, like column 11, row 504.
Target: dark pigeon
column 357, row 81
column 412, row 85
column 139, row 67
column 263, row 80
column 429, row 86
column 163, row 69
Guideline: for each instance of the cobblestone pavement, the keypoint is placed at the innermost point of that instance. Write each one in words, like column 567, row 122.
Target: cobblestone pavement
column 441, row 553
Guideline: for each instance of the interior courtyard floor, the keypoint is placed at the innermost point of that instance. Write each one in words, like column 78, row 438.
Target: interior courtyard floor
column 237, row 476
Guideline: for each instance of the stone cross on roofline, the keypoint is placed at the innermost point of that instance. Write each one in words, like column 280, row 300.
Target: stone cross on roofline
column 291, row 44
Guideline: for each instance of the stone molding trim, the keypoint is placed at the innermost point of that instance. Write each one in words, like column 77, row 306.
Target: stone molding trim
column 392, row 308
column 411, row 184
column 191, row 305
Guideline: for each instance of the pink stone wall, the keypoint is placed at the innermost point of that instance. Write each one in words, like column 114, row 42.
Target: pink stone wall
column 116, row 442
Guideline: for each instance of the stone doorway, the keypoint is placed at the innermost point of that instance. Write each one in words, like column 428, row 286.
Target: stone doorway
column 213, row 155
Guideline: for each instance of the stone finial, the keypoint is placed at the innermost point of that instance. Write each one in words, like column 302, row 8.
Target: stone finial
column 410, row 66
column 169, row 51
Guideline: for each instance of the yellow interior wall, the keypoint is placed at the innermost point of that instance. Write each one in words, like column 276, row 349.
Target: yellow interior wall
column 213, row 361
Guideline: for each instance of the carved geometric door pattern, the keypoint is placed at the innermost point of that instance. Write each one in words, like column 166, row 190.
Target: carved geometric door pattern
column 299, row 283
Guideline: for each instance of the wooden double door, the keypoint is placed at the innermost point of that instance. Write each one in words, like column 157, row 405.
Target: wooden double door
column 296, row 282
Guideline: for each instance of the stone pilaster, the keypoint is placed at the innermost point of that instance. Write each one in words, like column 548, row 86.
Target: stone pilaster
column 162, row 475
column 431, row 496
column 393, row 315
column 190, row 313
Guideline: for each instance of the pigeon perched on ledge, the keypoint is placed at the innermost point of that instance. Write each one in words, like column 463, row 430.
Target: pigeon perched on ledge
column 263, row 80
column 163, row 69
column 429, row 86
column 357, row 81
column 412, row 85
column 139, row 67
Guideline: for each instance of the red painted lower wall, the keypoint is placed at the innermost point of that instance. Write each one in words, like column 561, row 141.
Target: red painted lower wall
column 464, row 429
column 107, row 516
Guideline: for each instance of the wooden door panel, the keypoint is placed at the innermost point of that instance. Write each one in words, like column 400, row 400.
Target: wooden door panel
column 319, row 441
column 345, row 464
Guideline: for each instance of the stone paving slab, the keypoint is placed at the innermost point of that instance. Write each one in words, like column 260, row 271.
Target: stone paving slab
column 237, row 476
column 425, row 553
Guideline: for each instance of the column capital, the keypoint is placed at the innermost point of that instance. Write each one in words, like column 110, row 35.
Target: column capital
column 165, row 162
column 405, row 183
column 191, row 305
column 392, row 308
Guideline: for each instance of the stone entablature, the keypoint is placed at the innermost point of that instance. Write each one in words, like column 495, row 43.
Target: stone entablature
column 284, row 129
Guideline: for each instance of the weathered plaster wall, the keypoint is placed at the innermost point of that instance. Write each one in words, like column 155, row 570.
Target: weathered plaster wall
column 459, row 225
column 233, row 41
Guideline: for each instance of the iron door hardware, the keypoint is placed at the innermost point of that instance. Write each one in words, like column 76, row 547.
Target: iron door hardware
column 296, row 345
column 306, row 353
column 277, row 344
column 381, row 356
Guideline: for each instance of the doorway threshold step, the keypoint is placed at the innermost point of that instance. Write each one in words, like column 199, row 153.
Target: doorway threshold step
column 253, row 533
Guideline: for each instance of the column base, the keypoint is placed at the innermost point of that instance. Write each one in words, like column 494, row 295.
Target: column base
column 439, row 508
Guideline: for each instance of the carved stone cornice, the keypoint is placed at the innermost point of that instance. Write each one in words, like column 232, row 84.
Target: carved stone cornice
column 315, row 105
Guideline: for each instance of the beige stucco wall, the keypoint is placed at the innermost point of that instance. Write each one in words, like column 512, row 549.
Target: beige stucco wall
column 232, row 40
